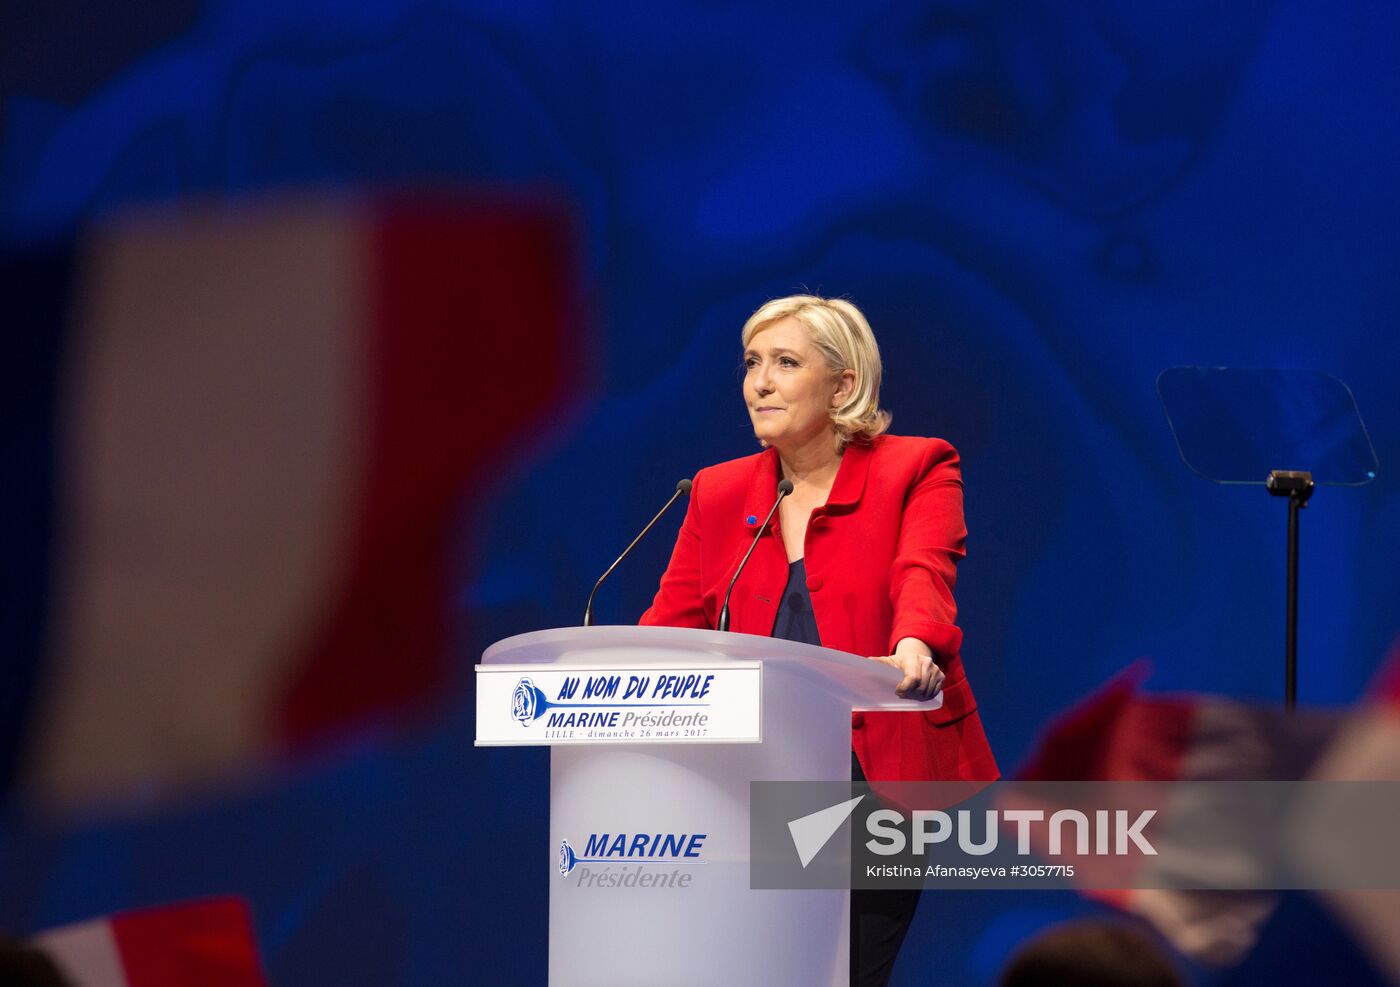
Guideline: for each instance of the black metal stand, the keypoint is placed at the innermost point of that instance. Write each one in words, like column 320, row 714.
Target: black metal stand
column 1297, row 486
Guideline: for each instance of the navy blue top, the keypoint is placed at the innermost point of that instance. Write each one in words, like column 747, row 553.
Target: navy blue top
column 795, row 620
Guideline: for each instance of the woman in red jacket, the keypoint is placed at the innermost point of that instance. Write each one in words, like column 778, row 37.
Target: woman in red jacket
column 861, row 557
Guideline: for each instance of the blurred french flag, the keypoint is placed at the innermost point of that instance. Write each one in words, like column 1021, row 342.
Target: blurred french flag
column 205, row 943
column 237, row 446
column 1123, row 734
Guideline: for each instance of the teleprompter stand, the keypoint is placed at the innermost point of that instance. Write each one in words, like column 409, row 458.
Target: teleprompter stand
column 1236, row 426
column 1297, row 486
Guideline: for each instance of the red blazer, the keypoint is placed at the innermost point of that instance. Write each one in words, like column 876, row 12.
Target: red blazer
column 880, row 560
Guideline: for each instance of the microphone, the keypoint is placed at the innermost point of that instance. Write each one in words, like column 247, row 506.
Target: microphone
column 682, row 488
column 784, row 488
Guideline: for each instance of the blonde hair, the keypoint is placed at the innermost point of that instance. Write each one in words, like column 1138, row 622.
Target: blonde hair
column 843, row 337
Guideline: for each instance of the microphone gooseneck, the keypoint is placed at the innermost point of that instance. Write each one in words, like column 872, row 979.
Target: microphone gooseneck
column 784, row 488
column 682, row 488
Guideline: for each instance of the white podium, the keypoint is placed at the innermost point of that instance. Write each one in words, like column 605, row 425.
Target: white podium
column 649, row 795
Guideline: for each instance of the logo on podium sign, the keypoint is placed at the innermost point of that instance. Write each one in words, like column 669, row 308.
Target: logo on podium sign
column 527, row 702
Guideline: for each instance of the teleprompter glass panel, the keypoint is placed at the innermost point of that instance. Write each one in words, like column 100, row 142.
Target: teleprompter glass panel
column 1236, row 425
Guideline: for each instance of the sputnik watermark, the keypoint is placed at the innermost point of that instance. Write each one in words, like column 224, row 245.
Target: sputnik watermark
column 1110, row 832
column 1237, row 835
column 933, row 826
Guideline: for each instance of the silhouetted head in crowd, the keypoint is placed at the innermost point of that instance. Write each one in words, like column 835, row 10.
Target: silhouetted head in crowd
column 1090, row 954
column 25, row 966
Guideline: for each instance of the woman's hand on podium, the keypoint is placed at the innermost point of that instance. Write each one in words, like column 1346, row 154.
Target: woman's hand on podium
column 922, row 676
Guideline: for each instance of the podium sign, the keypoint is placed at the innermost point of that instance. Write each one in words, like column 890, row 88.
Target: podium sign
column 527, row 705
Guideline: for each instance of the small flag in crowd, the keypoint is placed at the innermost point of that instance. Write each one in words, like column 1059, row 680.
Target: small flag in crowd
column 205, row 943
